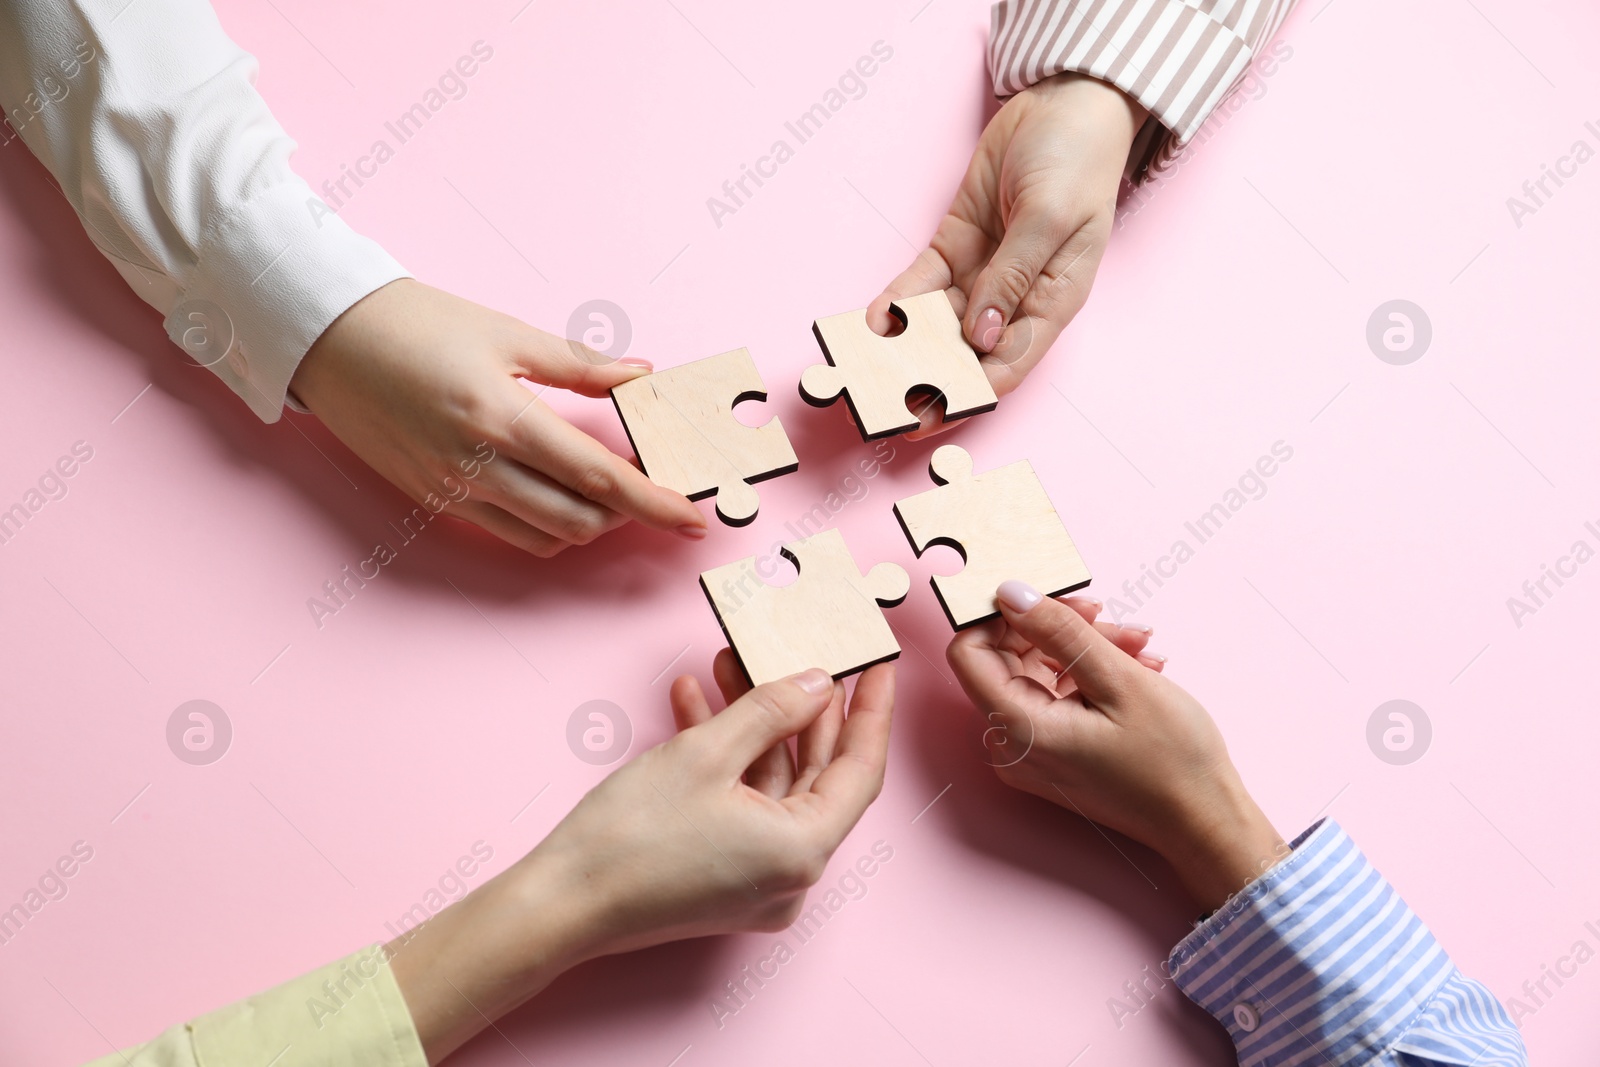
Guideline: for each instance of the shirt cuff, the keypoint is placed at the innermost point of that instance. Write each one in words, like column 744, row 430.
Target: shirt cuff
column 267, row 281
column 1174, row 58
column 1318, row 960
column 348, row 1014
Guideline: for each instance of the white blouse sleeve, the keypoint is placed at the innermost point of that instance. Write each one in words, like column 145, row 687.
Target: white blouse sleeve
column 147, row 115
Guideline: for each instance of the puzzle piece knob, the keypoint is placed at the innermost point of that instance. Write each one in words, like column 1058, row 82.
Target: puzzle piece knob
column 821, row 384
column 950, row 463
column 737, row 504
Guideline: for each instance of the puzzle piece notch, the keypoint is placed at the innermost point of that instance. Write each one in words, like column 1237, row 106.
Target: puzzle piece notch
column 680, row 422
column 830, row 616
column 737, row 502
column 1003, row 525
column 876, row 375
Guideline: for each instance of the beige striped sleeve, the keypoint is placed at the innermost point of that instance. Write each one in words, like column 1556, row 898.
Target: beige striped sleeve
column 1178, row 58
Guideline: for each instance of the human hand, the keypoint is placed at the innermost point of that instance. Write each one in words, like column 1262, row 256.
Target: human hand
column 722, row 829
column 1020, row 245
column 419, row 383
column 704, row 834
column 1102, row 733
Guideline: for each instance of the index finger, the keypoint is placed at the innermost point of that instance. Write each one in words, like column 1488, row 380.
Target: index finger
column 927, row 272
column 729, row 676
column 576, row 460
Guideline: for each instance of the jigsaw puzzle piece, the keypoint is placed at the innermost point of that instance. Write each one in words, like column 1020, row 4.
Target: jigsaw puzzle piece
column 876, row 374
column 830, row 616
column 1004, row 526
column 681, row 424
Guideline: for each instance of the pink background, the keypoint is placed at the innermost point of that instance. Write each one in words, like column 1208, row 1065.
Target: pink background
column 1230, row 313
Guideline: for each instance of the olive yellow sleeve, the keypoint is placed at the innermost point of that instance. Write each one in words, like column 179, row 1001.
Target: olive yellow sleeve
column 348, row 1014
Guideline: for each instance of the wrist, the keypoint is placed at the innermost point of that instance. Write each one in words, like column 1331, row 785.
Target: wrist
column 1223, row 844
column 551, row 898
column 490, row 952
column 1099, row 100
column 312, row 377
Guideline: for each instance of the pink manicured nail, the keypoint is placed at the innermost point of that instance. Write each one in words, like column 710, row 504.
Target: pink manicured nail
column 1137, row 627
column 1154, row 657
column 989, row 328
column 814, row 681
column 1089, row 600
column 690, row 532
column 1018, row 596
column 634, row 361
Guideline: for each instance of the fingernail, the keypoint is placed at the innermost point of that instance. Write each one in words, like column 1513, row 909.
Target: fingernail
column 634, row 361
column 1018, row 596
column 815, row 681
column 990, row 327
column 690, row 532
column 1137, row 627
column 1089, row 600
column 1154, row 657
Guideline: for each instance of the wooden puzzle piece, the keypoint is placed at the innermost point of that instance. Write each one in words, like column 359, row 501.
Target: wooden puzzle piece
column 680, row 422
column 828, row 617
column 1003, row 525
column 876, row 374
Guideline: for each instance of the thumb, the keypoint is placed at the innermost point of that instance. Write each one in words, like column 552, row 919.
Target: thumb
column 1032, row 236
column 573, row 365
column 765, row 716
column 1100, row 669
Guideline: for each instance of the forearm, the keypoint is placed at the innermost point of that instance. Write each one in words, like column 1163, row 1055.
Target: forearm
column 1221, row 841
column 492, row 951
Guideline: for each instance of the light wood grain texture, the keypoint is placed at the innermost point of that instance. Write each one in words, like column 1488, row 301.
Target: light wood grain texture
column 828, row 617
column 680, row 421
column 1003, row 525
column 875, row 373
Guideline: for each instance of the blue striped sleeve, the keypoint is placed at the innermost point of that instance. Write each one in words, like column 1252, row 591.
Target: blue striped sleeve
column 1319, row 961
